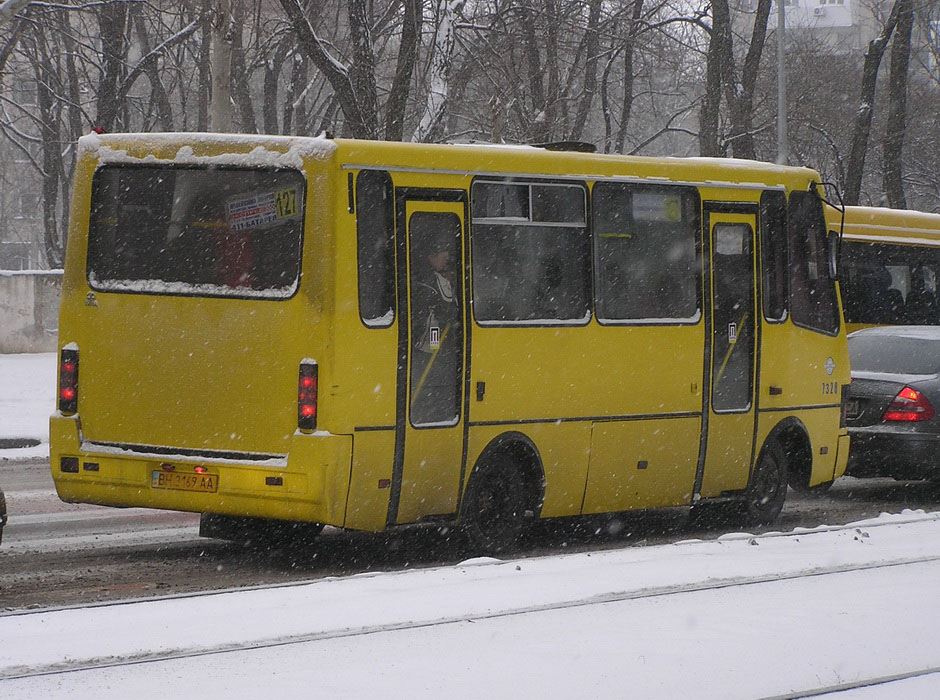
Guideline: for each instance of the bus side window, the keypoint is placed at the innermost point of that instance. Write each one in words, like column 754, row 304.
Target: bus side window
column 531, row 260
column 645, row 247
column 773, row 251
column 376, row 250
column 812, row 291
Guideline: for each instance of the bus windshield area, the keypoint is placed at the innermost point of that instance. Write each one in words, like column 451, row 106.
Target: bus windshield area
column 196, row 231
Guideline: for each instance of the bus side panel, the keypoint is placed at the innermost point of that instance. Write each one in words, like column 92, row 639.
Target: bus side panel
column 370, row 480
column 577, row 375
column 809, row 369
column 825, row 445
column 365, row 358
column 587, row 372
column 642, row 464
column 563, row 449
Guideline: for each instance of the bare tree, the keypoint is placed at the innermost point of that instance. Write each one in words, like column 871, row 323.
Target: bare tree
column 589, row 84
column 439, row 71
column 113, row 26
column 350, row 85
column 404, row 70
column 719, row 48
column 861, row 125
column 897, row 106
column 224, row 30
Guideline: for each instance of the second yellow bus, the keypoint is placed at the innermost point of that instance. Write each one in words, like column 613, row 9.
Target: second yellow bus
column 890, row 267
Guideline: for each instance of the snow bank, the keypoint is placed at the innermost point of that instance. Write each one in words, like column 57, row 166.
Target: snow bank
column 27, row 399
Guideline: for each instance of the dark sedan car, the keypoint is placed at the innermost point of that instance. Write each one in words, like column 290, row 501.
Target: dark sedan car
column 893, row 402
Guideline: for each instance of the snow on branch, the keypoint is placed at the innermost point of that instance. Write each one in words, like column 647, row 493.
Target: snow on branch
column 154, row 55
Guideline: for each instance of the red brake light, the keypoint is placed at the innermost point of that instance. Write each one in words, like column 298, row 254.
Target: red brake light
column 307, row 396
column 909, row 405
column 68, row 380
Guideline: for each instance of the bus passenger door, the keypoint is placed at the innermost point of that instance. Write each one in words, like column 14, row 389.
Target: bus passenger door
column 729, row 424
column 430, row 416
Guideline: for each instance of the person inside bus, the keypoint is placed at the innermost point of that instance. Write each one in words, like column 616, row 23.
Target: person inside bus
column 436, row 332
column 885, row 303
column 920, row 307
column 205, row 250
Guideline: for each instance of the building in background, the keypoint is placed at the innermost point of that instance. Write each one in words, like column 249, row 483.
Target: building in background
column 21, row 220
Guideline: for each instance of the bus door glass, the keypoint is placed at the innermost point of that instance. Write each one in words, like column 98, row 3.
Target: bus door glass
column 733, row 343
column 432, row 414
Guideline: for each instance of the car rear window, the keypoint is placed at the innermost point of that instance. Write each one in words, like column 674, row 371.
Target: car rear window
column 220, row 231
column 894, row 354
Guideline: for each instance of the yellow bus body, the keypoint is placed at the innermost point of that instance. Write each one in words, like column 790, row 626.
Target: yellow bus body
column 906, row 243
column 610, row 417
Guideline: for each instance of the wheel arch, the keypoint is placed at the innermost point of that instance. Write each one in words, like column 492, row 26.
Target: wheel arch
column 793, row 437
column 523, row 453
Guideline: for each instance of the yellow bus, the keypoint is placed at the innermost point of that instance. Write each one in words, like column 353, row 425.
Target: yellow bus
column 367, row 334
column 890, row 266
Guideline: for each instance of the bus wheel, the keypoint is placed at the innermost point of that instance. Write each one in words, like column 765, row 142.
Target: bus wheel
column 768, row 488
column 494, row 514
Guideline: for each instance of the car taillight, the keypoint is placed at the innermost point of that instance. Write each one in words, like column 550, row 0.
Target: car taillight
column 68, row 380
column 909, row 405
column 307, row 397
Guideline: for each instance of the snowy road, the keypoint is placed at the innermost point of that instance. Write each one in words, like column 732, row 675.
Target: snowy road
column 743, row 616
column 740, row 617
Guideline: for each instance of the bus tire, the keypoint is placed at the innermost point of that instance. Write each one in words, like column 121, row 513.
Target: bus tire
column 494, row 515
column 767, row 489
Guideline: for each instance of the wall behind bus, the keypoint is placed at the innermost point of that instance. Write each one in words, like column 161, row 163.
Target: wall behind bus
column 29, row 310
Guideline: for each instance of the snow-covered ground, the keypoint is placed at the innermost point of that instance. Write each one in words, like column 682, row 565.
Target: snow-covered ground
column 744, row 616
column 740, row 617
column 27, row 399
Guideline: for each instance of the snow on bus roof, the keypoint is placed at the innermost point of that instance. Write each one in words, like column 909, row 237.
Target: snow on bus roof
column 874, row 212
column 896, row 226
column 745, row 164
column 264, row 150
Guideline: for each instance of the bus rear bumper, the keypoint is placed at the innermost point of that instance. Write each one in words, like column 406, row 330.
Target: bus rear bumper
column 308, row 484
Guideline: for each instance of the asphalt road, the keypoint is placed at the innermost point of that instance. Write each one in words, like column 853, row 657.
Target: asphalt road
column 56, row 554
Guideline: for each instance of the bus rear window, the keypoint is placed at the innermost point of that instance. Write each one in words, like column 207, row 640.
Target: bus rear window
column 196, row 231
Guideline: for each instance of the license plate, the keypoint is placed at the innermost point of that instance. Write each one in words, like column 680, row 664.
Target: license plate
column 851, row 408
column 178, row 481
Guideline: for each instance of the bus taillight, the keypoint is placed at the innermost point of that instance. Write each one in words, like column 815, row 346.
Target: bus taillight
column 68, row 380
column 307, row 397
